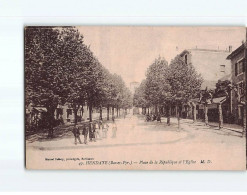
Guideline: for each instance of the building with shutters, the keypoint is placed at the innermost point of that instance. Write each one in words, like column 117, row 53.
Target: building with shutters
column 238, row 67
column 213, row 66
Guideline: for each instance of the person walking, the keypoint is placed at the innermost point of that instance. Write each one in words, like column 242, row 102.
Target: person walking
column 104, row 130
column 91, row 131
column 76, row 133
column 159, row 118
column 95, row 131
column 100, row 124
column 114, row 129
column 85, row 132
column 97, row 127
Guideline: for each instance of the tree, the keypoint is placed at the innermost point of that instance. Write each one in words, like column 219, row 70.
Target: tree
column 206, row 97
column 76, row 56
column 157, row 86
column 139, row 98
column 127, row 99
column 185, row 83
column 60, row 68
column 45, row 75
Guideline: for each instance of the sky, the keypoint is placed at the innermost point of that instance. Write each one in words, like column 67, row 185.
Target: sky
column 129, row 50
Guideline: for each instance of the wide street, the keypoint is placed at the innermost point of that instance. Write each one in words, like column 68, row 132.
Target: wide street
column 143, row 145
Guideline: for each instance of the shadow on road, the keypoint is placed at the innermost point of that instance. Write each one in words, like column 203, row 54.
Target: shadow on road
column 187, row 137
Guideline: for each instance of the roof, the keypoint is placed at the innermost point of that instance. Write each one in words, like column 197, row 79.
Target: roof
column 210, row 50
column 235, row 52
column 183, row 52
column 219, row 100
column 205, row 50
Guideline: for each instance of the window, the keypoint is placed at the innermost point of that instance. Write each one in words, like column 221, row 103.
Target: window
column 239, row 67
column 186, row 59
column 241, row 88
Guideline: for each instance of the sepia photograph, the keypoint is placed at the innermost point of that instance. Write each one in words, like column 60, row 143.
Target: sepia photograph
column 135, row 97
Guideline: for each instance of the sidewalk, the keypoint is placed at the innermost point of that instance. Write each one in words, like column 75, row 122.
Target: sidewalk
column 232, row 127
column 226, row 127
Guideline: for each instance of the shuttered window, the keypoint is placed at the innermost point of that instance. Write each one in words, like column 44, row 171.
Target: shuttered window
column 236, row 69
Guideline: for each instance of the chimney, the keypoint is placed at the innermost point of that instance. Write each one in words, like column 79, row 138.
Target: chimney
column 230, row 48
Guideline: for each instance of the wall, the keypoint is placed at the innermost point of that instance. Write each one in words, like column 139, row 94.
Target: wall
column 235, row 80
column 207, row 63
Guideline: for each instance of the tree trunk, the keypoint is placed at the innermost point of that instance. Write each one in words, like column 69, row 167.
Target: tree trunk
column 117, row 111
column 220, row 117
column 148, row 110
column 112, row 112
column 206, row 114
column 178, row 116
column 108, row 109
column 100, row 112
column 156, row 110
column 75, row 114
column 50, row 121
column 178, row 120
column 169, row 115
column 90, row 113
column 194, row 112
column 176, row 110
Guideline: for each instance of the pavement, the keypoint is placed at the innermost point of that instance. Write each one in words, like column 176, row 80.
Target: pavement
column 144, row 145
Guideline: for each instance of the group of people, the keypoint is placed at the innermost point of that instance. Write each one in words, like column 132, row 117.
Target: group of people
column 153, row 117
column 96, row 130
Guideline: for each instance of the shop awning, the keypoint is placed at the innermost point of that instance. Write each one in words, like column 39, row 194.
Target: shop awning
column 195, row 100
column 40, row 109
column 219, row 100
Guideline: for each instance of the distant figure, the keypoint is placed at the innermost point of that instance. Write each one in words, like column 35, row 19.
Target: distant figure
column 114, row 129
column 154, row 117
column 159, row 118
column 91, row 132
column 76, row 133
column 104, row 130
column 95, row 131
column 85, row 132
column 148, row 118
column 100, row 125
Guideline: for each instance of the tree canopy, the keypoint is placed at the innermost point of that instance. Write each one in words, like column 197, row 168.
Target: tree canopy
column 60, row 68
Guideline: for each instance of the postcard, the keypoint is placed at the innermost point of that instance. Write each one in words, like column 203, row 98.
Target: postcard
column 135, row 97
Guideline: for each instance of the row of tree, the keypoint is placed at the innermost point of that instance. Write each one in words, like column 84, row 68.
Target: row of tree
column 60, row 68
column 168, row 86
column 171, row 86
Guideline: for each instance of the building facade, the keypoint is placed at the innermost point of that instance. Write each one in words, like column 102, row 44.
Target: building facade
column 238, row 68
column 133, row 86
column 211, row 64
